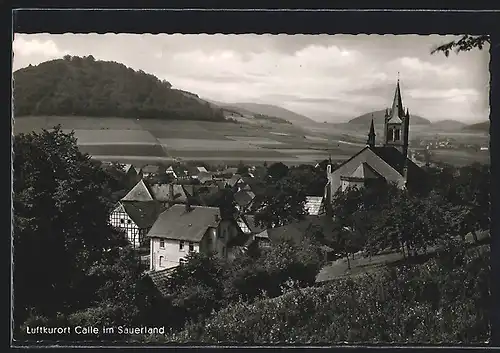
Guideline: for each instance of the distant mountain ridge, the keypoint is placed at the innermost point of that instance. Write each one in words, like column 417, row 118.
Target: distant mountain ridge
column 448, row 124
column 482, row 126
column 267, row 110
column 378, row 118
column 87, row 87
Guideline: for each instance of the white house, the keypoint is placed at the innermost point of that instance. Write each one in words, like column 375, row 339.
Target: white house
column 182, row 229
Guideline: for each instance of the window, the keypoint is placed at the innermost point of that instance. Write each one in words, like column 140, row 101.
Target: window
column 161, row 264
column 162, row 244
column 397, row 135
column 129, row 221
column 181, row 245
column 223, row 251
column 391, row 135
column 191, row 246
column 182, row 261
column 122, row 221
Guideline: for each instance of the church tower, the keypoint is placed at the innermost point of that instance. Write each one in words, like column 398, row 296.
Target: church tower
column 397, row 124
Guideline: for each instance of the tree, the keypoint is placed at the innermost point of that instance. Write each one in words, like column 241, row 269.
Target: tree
column 277, row 171
column 61, row 227
column 195, row 288
column 280, row 203
column 465, row 43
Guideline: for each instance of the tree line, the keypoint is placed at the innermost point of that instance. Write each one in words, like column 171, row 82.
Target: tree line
column 83, row 86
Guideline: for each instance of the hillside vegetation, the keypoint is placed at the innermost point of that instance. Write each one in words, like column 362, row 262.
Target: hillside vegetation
column 378, row 118
column 270, row 111
column 88, row 87
column 484, row 126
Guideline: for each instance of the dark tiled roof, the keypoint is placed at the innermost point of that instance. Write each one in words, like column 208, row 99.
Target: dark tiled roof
column 250, row 221
column 234, row 179
column 396, row 160
column 294, row 231
column 239, row 240
column 143, row 213
column 243, row 198
column 179, row 224
column 159, row 279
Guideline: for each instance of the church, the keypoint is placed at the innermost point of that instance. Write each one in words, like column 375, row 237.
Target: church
column 387, row 162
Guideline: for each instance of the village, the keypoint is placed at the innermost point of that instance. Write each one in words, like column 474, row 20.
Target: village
column 143, row 214
column 165, row 221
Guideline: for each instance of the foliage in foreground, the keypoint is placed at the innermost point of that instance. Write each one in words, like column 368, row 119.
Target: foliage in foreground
column 446, row 299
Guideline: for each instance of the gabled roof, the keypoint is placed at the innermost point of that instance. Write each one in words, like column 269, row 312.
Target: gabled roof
column 294, row 231
column 313, row 205
column 394, row 158
column 177, row 169
column 364, row 171
column 162, row 192
column 179, row 224
column 243, row 197
column 159, row 279
column 252, row 225
column 144, row 214
column 234, row 179
column 139, row 192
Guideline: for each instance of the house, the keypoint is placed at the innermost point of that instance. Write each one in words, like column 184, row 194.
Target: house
column 151, row 170
column 243, row 200
column 132, row 174
column 184, row 228
column 205, row 177
column 135, row 219
column 164, row 193
column 299, row 230
column 177, row 171
column 380, row 164
column 249, row 227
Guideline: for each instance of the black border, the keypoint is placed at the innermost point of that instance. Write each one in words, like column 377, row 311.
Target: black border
column 308, row 22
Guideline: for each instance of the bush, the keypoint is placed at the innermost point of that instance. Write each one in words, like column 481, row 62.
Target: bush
column 424, row 304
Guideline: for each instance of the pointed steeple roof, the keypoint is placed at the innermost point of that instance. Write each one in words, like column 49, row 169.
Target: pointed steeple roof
column 397, row 110
column 139, row 192
column 371, row 135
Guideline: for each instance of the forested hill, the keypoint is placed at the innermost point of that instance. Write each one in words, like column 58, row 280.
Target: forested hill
column 87, row 87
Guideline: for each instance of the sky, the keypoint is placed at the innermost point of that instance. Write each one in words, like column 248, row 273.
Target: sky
column 330, row 78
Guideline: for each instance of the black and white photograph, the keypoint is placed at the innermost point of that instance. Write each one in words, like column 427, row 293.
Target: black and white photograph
column 251, row 189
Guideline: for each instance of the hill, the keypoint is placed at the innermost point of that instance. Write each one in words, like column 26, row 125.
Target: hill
column 448, row 124
column 483, row 126
column 270, row 111
column 88, row 87
column 378, row 117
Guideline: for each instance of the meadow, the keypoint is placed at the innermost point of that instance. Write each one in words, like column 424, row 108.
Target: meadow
column 146, row 141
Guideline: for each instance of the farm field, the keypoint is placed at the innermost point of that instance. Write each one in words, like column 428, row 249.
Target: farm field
column 460, row 158
column 148, row 140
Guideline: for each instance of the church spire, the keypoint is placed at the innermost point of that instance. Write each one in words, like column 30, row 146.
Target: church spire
column 397, row 110
column 371, row 135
